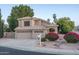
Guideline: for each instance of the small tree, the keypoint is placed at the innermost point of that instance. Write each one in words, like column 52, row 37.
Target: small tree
column 6, row 28
column 1, row 26
column 65, row 25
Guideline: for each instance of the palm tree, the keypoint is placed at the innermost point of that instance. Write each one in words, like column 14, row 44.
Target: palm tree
column 48, row 20
column 54, row 17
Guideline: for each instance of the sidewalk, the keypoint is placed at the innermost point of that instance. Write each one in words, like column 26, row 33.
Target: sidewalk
column 30, row 45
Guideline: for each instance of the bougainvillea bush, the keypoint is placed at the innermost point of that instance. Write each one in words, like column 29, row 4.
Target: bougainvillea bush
column 71, row 37
column 51, row 36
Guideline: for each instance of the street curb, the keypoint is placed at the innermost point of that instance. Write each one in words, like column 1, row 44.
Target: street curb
column 48, row 50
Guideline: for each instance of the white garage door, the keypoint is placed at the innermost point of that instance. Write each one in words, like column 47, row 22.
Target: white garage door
column 26, row 35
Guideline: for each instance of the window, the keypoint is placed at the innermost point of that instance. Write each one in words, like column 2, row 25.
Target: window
column 26, row 23
column 36, row 22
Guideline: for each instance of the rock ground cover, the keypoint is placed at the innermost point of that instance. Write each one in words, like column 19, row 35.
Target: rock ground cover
column 60, row 44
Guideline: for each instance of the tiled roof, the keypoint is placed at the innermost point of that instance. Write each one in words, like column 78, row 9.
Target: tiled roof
column 30, row 28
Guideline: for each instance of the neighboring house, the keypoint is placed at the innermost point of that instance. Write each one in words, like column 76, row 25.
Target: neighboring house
column 76, row 28
column 30, row 27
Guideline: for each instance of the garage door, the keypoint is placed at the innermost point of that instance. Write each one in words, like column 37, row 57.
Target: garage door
column 24, row 35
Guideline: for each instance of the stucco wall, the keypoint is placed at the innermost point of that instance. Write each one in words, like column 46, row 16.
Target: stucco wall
column 41, row 24
column 9, row 34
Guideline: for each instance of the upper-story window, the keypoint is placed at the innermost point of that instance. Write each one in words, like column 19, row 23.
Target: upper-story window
column 36, row 22
column 26, row 23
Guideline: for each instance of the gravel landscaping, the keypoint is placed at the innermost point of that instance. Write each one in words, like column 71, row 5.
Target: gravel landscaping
column 60, row 44
column 56, row 45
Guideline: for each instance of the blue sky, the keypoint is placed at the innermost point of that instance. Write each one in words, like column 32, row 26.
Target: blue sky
column 45, row 11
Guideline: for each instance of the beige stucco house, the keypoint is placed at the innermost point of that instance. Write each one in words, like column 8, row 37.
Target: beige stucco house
column 30, row 27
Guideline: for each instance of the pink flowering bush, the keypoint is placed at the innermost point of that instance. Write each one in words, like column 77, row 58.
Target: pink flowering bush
column 51, row 36
column 71, row 37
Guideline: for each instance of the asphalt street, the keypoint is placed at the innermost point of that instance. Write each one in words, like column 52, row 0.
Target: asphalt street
column 11, row 51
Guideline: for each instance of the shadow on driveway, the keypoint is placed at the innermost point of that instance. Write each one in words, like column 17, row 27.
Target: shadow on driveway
column 11, row 51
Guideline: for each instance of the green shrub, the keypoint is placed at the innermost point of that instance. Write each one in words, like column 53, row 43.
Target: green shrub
column 7, row 30
column 43, row 39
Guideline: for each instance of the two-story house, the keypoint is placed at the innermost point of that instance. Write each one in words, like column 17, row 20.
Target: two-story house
column 30, row 27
